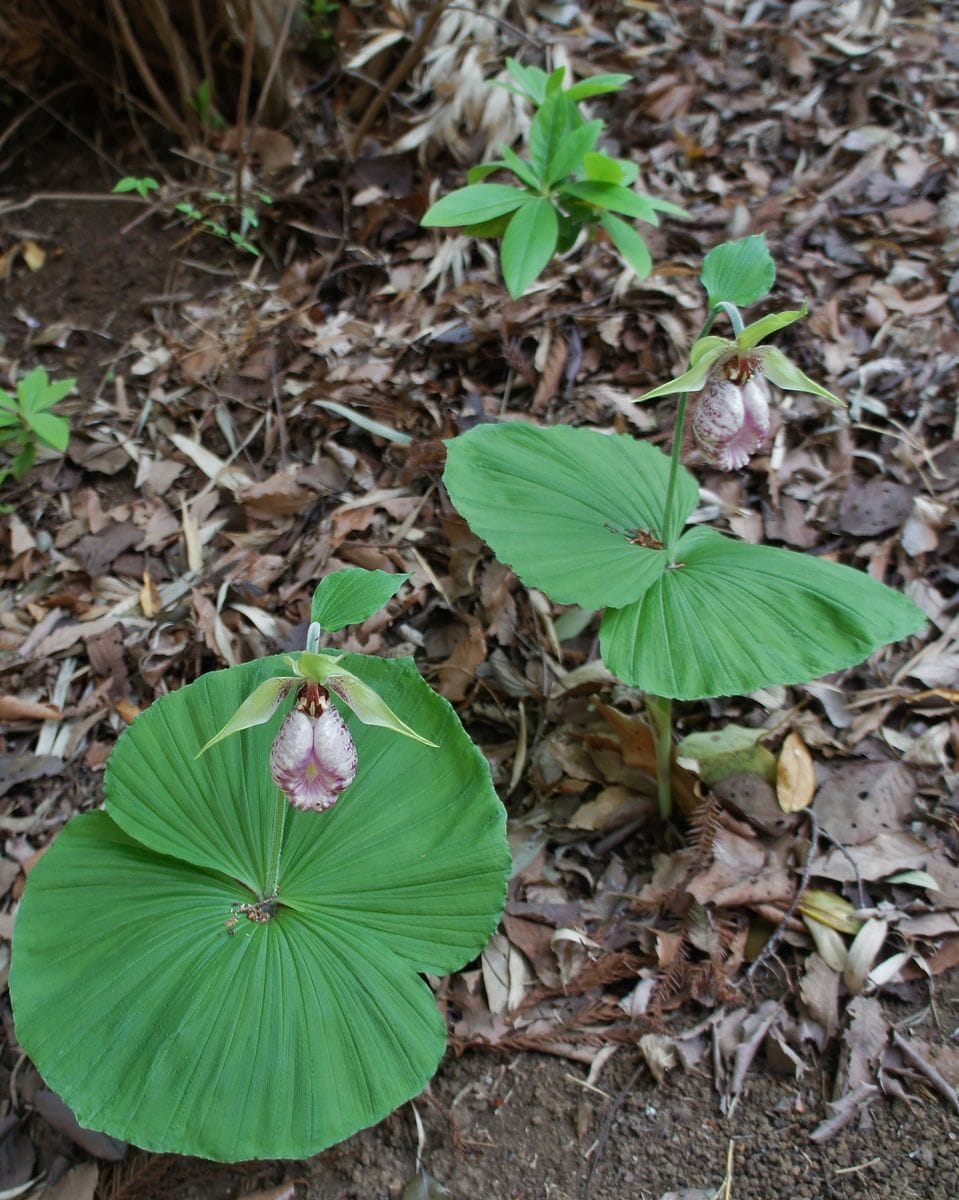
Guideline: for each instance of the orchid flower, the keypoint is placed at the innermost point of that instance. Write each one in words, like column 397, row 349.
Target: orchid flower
column 313, row 758
column 742, row 359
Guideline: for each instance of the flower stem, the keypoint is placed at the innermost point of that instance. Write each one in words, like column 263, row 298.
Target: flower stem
column 279, row 824
column 660, row 710
column 670, row 535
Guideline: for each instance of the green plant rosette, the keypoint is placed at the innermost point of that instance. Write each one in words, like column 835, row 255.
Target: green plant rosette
column 165, row 1015
column 579, row 514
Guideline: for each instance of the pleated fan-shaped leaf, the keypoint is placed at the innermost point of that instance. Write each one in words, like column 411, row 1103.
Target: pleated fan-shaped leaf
column 563, row 507
column 171, row 1003
column 729, row 618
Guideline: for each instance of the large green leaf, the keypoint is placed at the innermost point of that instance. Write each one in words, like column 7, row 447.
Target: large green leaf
column 165, row 1015
column 728, row 618
column 564, row 507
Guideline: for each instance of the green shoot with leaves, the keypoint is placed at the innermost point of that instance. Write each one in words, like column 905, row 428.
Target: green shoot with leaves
column 565, row 185
column 27, row 420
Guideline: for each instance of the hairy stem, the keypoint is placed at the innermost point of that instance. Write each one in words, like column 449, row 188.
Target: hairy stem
column 660, row 710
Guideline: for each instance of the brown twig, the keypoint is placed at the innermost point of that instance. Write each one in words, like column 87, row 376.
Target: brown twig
column 607, row 1129
column 396, row 76
column 790, row 912
column 172, row 119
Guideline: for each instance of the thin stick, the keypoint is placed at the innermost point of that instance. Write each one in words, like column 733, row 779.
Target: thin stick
column 166, row 110
column 607, row 1129
column 790, row 912
column 278, row 47
column 243, row 100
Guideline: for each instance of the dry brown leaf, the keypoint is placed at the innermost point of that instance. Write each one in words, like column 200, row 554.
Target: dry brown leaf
column 795, row 775
column 12, row 708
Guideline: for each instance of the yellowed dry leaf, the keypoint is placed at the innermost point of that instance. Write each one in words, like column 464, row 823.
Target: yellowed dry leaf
column 150, row 600
column 795, row 775
column 34, row 256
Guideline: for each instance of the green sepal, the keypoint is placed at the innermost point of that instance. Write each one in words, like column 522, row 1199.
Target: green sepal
column 784, row 373
column 759, row 330
column 256, row 709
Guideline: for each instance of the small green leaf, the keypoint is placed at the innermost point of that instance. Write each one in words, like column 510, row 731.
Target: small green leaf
column 520, row 167
column 554, row 81
column 738, row 272
column 483, row 170
column 478, row 202
column 349, row 596
column 51, row 430
column 489, row 229
column 569, row 155
column 663, row 206
column 597, row 85
column 531, row 79
column 24, row 460
column 919, row 879
column 628, row 242
column 37, row 393
column 528, row 244
column 256, row 709
column 614, row 197
column 551, row 125
column 600, row 168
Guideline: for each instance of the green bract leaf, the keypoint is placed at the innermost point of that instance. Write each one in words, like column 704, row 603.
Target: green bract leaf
column 349, row 596
column 470, row 205
column 569, row 155
column 478, row 173
column 561, row 506
column 614, row 197
column 528, row 244
column 738, row 272
column 597, row 85
column 241, row 1028
column 628, row 242
column 729, row 618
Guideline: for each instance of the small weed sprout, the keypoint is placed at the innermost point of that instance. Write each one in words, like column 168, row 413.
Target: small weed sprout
column 27, row 421
column 214, row 211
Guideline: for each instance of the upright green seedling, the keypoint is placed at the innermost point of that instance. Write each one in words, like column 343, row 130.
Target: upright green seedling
column 566, row 184
column 601, row 522
column 27, row 420
column 228, row 960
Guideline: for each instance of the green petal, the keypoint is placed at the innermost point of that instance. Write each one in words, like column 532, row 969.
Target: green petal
column 753, row 334
column 706, row 345
column 784, row 373
column 256, row 709
column 693, row 380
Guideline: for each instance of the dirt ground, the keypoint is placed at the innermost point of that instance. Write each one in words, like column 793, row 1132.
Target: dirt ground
column 509, row 1125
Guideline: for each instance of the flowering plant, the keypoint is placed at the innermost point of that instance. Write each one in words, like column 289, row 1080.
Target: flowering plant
column 243, row 974
column 600, row 522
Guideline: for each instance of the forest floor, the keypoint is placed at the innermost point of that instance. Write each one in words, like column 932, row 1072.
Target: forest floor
column 242, row 427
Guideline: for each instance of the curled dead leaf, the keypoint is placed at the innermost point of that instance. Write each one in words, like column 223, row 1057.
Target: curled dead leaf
column 12, row 708
column 795, row 775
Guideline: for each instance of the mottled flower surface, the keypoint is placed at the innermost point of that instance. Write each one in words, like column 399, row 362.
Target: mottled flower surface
column 731, row 422
column 313, row 758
